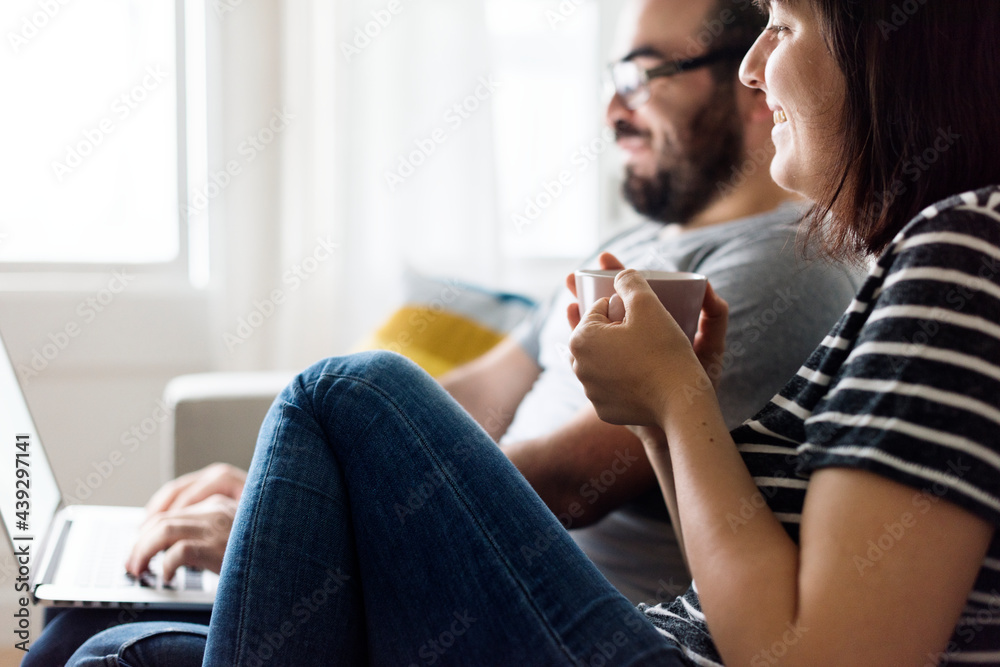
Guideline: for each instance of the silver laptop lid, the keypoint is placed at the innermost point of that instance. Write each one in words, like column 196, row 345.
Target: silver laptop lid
column 28, row 501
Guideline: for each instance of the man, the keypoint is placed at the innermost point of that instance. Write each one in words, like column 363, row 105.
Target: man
column 697, row 148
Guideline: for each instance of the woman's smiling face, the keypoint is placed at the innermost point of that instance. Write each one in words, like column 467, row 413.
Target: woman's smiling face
column 805, row 89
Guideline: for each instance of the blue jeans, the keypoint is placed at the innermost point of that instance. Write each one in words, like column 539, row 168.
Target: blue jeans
column 67, row 629
column 381, row 525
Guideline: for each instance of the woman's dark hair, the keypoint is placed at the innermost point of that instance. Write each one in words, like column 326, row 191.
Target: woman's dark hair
column 921, row 117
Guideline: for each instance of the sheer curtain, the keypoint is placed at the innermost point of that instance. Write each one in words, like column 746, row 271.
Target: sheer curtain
column 416, row 147
column 392, row 157
column 312, row 236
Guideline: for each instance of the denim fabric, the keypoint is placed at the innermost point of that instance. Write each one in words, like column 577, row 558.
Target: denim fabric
column 67, row 629
column 144, row 645
column 381, row 525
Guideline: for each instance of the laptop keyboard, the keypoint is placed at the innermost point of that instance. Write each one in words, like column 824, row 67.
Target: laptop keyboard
column 106, row 568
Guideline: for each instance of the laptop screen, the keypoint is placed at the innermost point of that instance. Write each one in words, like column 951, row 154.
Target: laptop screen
column 28, row 501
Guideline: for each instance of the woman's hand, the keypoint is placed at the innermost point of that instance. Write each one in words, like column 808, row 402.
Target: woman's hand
column 709, row 341
column 634, row 369
column 608, row 262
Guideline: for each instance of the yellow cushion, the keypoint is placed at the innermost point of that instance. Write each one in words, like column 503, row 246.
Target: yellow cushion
column 435, row 340
column 446, row 323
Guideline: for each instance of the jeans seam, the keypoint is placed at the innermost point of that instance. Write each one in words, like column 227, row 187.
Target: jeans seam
column 244, row 594
column 452, row 484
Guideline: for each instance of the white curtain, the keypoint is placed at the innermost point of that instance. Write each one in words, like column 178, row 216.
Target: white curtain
column 419, row 172
column 363, row 89
column 391, row 152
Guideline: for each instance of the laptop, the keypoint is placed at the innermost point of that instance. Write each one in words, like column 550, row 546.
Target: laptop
column 75, row 553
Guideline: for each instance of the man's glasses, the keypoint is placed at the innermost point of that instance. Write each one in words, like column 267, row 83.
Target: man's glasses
column 631, row 81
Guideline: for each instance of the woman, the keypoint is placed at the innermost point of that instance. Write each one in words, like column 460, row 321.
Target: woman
column 853, row 521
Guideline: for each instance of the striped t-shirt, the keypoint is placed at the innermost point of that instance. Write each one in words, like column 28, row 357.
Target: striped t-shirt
column 907, row 385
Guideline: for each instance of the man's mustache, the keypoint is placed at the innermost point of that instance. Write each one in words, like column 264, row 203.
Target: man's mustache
column 625, row 129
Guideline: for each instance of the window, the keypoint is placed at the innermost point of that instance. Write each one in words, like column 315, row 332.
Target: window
column 93, row 169
column 549, row 125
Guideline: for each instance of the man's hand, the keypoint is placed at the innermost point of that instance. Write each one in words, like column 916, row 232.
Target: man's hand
column 186, row 490
column 189, row 519
column 194, row 536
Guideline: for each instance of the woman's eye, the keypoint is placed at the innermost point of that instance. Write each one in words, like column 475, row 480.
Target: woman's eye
column 775, row 28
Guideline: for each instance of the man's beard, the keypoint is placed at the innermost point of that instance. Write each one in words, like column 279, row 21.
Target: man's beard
column 698, row 168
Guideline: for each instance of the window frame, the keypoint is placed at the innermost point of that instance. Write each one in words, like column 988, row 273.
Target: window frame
column 186, row 270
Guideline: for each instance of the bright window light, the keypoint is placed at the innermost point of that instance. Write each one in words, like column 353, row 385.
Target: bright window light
column 548, row 128
column 90, row 140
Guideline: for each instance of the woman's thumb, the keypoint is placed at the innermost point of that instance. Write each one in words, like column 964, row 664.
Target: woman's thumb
column 630, row 284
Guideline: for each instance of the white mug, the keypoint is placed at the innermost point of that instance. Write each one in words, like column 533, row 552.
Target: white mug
column 680, row 293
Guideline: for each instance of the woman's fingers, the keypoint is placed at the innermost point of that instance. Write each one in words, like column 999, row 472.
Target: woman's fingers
column 608, row 262
column 710, row 341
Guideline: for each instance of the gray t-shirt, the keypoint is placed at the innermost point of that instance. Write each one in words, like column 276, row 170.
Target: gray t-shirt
column 780, row 308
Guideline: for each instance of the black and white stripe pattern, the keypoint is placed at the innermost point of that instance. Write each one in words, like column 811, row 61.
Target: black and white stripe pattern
column 907, row 385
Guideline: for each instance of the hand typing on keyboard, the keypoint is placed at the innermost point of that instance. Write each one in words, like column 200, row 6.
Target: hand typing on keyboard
column 189, row 520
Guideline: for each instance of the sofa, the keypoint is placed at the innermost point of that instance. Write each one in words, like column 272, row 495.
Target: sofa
column 442, row 324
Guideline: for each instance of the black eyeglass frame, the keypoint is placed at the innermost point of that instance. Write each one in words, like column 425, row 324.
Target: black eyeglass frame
column 672, row 68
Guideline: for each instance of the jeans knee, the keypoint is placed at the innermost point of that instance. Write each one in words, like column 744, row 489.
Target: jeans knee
column 377, row 367
column 387, row 374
